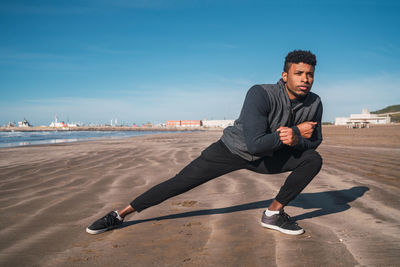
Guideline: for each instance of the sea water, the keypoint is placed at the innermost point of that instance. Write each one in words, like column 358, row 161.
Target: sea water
column 13, row 139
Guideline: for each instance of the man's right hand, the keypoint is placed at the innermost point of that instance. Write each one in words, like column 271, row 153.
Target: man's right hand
column 306, row 128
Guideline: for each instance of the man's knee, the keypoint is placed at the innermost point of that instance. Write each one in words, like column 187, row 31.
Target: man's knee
column 313, row 159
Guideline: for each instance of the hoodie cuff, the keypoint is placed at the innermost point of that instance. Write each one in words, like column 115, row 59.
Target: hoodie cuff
column 296, row 130
column 300, row 143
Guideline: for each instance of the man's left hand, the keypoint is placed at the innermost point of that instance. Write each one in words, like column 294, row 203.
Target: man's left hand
column 307, row 128
column 288, row 136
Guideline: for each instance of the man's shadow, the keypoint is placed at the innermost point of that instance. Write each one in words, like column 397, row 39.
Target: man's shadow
column 328, row 202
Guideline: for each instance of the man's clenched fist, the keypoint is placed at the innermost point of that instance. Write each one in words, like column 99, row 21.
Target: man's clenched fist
column 307, row 128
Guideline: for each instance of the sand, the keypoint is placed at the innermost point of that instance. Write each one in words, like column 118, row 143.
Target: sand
column 50, row 193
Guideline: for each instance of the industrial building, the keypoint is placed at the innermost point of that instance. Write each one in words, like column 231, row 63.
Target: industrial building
column 217, row 123
column 183, row 123
column 198, row 123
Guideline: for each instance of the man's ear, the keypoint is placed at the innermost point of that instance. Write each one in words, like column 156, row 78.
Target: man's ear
column 284, row 76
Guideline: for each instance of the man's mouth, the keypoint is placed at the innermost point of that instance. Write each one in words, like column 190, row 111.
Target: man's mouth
column 303, row 87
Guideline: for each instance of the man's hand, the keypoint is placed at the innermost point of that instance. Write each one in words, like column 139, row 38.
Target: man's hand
column 307, row 128
column 287, row 136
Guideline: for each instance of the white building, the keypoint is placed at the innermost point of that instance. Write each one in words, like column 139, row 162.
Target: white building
column 55, row 123
column 217, row 123
column 24, row 123
column 363, row 119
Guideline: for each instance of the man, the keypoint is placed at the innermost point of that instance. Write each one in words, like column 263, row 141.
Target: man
column 277, row 131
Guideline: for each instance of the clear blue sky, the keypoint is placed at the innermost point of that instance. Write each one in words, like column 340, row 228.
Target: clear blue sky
column 138, row 61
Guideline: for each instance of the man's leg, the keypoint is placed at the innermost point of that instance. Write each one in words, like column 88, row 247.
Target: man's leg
column 304, row 166
column 213, row 162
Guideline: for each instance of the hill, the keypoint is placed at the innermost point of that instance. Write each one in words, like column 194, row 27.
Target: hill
column 393, row 108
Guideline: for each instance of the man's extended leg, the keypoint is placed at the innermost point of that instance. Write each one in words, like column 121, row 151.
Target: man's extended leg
column 304, row 166
column 213, row 162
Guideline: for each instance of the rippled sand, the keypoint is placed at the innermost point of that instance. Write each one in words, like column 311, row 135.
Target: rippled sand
column 50, row 193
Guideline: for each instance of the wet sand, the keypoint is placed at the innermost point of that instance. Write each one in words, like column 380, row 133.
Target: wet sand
column 50, row 193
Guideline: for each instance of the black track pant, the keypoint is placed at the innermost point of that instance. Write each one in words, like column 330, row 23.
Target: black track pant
column 217, row 160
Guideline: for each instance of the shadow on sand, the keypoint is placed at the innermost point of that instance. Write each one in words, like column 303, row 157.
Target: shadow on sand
column 325, row 202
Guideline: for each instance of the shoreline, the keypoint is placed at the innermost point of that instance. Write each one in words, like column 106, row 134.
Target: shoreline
column 57, row 137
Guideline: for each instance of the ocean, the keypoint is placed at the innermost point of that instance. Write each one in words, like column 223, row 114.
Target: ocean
column 13, row 139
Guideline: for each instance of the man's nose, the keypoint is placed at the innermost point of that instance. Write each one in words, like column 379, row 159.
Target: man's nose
column 304, row 78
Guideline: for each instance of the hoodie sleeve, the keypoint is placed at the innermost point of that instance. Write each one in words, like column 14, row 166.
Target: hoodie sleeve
column 258, row 138
column 316, row 137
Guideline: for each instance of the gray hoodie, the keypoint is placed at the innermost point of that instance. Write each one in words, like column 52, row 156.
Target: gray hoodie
column 265, row 109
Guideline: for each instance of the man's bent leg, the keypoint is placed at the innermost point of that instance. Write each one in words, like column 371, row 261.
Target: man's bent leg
column 304, row 166
column 304, row 169
column 213, row 162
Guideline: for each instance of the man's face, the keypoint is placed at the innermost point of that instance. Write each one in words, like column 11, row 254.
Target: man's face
column 298, row 80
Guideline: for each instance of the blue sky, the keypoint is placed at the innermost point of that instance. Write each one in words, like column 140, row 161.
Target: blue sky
column 138, row 61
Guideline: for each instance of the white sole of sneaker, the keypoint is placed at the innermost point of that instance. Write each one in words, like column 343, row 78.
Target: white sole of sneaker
column 95, row 232
column 285, row 231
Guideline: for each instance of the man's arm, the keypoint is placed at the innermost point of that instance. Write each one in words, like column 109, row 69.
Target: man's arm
column 258, row 137
column 305, row 142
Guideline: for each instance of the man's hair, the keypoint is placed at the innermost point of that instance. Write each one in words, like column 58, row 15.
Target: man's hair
column 298, row 56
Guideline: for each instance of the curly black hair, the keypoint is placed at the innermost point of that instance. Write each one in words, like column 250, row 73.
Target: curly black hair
column 298, row 56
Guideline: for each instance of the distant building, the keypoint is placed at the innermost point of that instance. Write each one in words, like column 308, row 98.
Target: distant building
column 24, row 123
column 184, row 123
column 217, row 123
column 173, row 123
column 363, row 119
column 55, row 123
column 191, row 123
column 159, row 125
column 147, row 125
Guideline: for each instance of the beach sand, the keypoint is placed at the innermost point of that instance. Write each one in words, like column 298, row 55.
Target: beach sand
column 50, row 193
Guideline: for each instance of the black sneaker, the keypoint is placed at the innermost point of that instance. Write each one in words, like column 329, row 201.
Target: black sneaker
column 282, row 223
column 106, row 223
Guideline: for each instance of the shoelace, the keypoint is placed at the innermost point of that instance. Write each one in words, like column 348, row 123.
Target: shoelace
column 287, row 218
column 285, row 215
column 110, row 220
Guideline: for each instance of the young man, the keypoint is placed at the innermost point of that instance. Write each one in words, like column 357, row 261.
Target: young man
column 277, row 131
